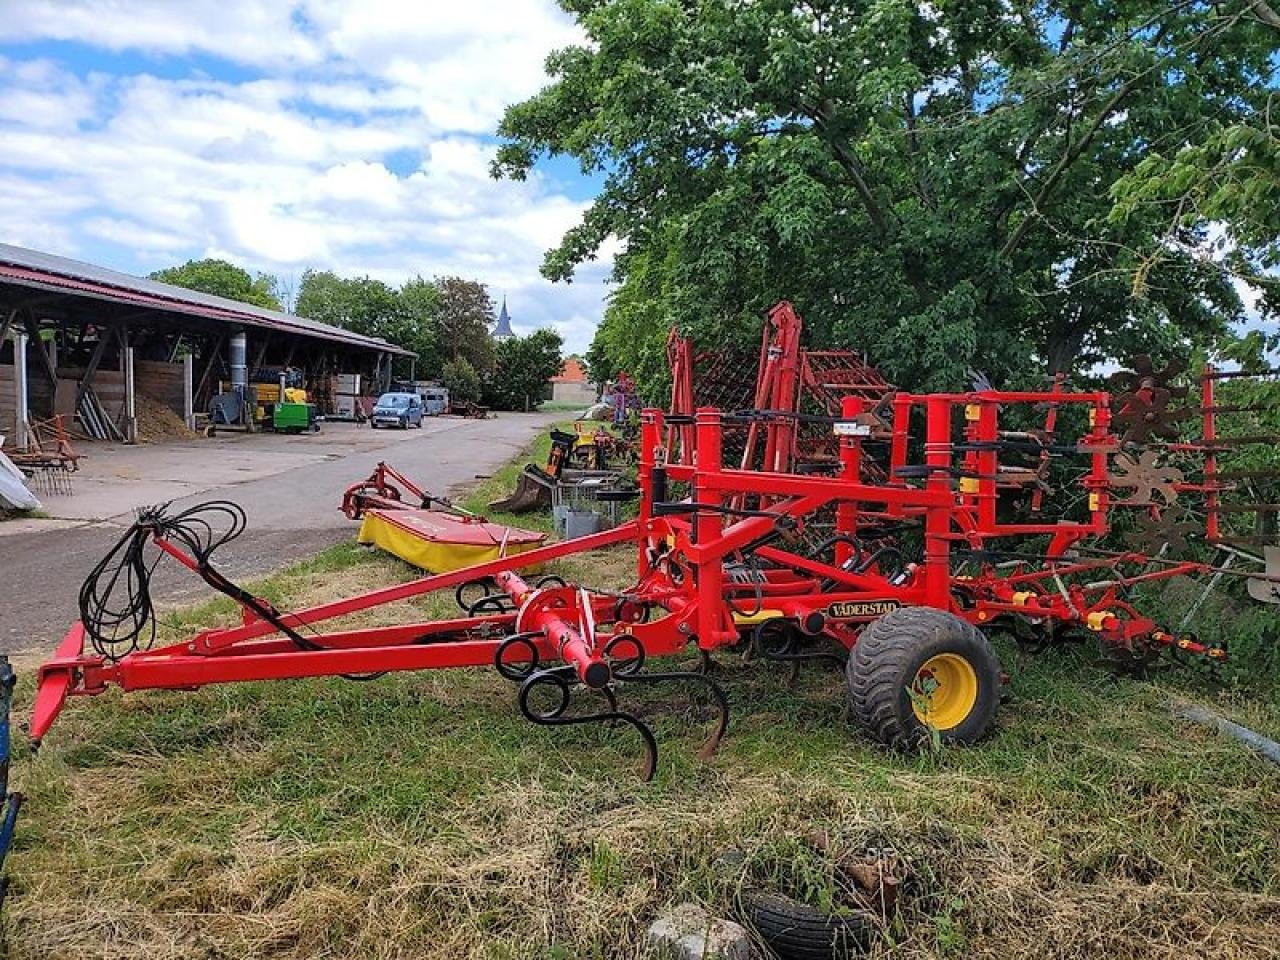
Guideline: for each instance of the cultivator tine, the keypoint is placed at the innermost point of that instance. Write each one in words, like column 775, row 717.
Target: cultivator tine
column 1239, row 374
column 1247, row 474
column 708, row 749
column 787, row 651
column 561, row 680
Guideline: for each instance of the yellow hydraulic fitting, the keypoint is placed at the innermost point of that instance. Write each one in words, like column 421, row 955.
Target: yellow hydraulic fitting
column 1097, row 620
column 972, row 411
column 968, row 484
column 1022, row 597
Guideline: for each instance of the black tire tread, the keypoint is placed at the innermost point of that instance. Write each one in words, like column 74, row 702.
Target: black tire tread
column 883, row 658
column 797, row 931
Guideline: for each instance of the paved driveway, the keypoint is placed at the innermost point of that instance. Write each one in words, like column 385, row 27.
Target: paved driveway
column 289, row 487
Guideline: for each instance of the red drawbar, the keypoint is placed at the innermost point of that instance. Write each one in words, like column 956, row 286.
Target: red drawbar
column 53, row 682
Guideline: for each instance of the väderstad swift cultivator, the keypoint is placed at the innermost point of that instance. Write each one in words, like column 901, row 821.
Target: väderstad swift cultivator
column 887, row 548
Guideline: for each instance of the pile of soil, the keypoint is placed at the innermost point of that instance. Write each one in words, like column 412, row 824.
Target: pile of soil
column 156, row 421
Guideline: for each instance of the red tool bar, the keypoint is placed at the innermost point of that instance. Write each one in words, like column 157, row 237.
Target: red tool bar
column 213, row 640
column 787, row 484
column 1005, row 396
column 144, row 672
column 568, row 642
column 859, row 581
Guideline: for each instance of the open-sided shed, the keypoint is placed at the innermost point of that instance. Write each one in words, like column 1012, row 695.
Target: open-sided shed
column 72, row 332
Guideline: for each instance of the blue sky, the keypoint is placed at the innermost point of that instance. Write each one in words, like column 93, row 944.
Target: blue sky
column 352, row 135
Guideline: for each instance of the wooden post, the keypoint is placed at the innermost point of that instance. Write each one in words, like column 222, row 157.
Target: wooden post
column 33, row 328
column 21, row 418
column 130, row 413
column 8, row 322
column 86, row 381
column 188, row 393
column 259, row 357
column 211, row 362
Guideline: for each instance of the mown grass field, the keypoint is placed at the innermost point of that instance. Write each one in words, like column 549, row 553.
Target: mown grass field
column 421, row 816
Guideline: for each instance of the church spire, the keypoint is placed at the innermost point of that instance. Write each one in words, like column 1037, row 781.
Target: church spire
column 502, row 330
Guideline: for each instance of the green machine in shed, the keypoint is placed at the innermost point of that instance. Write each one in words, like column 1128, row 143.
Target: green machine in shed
column 292, row 417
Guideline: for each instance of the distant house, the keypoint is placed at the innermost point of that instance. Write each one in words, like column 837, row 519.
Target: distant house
column 572, row 385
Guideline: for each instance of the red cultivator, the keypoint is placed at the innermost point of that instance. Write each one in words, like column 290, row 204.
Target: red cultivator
column 889, row 553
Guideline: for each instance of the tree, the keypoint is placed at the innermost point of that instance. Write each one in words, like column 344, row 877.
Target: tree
column 461, row 380
column 223, row 279
column 465, row 313
column 421, row 302
column 404, row 317
column 525, row 365
column 928, row 182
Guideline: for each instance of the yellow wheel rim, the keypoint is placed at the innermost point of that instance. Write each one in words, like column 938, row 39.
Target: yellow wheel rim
column 944, row 691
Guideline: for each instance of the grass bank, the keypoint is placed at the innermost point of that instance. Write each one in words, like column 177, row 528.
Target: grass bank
column 420, row 816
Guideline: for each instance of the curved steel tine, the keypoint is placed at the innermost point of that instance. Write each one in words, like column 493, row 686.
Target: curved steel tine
column 709, row 748
column 561, row 678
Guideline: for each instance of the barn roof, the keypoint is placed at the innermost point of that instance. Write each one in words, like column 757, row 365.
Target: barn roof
column 45, row 271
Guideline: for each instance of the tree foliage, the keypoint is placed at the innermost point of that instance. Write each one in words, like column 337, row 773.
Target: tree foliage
column 405, row 317
column 461, row 380
column 936, row 184
column 223, row 279
column 524, row 366
column 464, row 316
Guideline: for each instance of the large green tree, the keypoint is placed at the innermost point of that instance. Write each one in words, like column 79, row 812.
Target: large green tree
column 223, row 279
column 932, row 183
column 405, row 317
column 524, row 366
column 463, row 320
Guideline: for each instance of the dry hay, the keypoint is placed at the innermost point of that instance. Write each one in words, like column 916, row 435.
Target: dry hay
column 525, row 870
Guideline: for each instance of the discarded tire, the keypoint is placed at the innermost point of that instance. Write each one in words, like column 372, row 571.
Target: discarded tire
column 797, row 931
column 918, row 670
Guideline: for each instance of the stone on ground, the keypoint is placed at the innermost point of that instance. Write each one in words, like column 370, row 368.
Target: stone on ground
column 689, row 932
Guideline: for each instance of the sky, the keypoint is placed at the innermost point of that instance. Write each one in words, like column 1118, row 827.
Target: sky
column 282, row 135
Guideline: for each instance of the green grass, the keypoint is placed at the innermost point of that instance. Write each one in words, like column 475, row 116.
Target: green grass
column 420, row 816
column 555, row 406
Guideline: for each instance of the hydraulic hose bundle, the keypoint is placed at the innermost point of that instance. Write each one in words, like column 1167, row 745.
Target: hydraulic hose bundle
column 115, row 600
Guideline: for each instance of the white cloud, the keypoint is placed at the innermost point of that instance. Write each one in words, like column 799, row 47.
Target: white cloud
column 239, row 30
column 361, row 143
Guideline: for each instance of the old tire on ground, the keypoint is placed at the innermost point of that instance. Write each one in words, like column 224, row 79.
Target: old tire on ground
column 918, row 669
column 797, row 931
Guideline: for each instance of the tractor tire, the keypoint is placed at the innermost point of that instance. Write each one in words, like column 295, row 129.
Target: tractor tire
column 797, row 931
column 917, row 671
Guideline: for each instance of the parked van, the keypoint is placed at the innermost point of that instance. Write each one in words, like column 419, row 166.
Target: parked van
column 401, row 410
column 435, row 400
